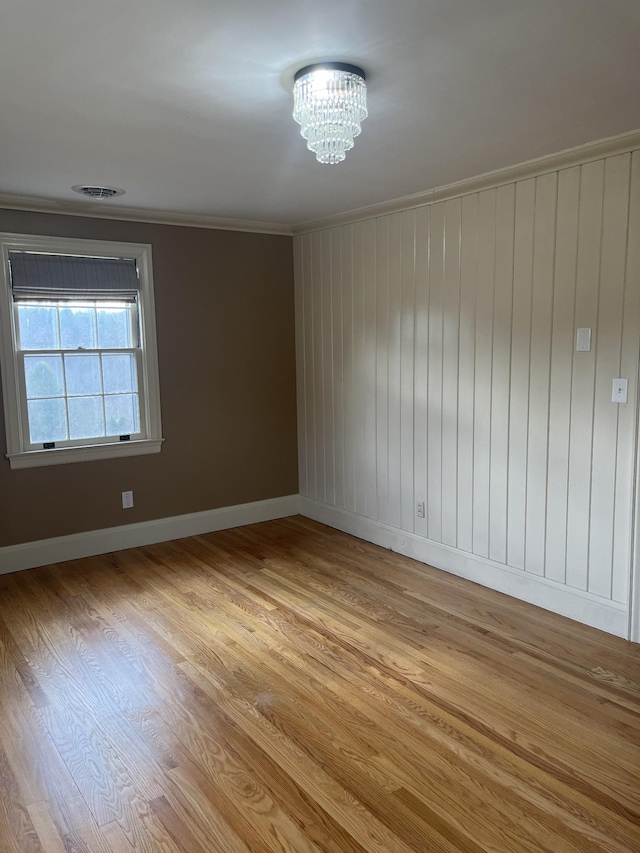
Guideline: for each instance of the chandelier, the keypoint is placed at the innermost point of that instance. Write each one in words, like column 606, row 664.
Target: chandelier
column 329, row 102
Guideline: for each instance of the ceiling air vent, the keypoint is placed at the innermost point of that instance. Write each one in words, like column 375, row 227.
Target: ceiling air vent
column 97, row 192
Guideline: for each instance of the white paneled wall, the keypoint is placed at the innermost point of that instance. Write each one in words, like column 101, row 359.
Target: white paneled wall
column 437, row 363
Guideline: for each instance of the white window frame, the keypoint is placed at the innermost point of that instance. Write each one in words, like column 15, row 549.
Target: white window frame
column 13, row 386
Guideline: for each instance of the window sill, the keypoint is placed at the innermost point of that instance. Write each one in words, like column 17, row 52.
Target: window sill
column 64, row 455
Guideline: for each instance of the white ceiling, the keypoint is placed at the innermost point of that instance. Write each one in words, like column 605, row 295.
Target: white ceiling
column 186, row 104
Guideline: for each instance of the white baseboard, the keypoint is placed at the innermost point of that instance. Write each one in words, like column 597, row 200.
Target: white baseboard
column 582, row 606
column 609, row 616
column 13, row 558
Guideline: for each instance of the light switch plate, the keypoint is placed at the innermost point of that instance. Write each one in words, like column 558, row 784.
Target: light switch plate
column 583, row 340
column 619, row 390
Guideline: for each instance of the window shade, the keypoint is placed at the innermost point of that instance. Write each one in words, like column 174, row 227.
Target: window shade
column 40, row 276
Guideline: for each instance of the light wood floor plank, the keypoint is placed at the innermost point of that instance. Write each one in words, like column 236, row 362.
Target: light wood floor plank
column 287, row 688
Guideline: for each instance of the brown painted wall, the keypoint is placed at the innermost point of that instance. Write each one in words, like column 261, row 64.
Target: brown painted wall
column 225, row 322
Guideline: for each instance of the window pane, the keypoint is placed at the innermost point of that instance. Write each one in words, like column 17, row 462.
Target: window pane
column 122, row 414
column 76, row 328
column 38, row 327
column 85, row 417
column 83, row 374
column 43, row 375
column 119, row 373
column 47, row 420
column 114, row 328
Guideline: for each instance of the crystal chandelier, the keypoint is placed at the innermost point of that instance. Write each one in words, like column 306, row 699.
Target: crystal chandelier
column 329, row 102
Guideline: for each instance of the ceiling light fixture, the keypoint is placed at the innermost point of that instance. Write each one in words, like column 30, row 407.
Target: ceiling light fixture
column 329, row 103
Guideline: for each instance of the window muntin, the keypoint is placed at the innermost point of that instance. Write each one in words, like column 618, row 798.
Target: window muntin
column 79, row 369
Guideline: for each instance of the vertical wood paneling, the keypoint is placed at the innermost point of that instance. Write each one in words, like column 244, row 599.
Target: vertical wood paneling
column 309, row 367
column 541, row 314
column 520, row 365
column 582, row 391
column 335, row 237
column 359, row 368
column 327, row 368
column 501, row 373
column 382, row 368
column 437, row 363
column 421, row 376
column 482, row 371
column 615, row 214
column 394, row 347
column 407, row 346
column 318, row 362
column 466, row 370
column 450, row 343
column 434, row 403
column 562, row 346
column 349, row 370
column 371, row 491
column 627, row 416
column 301, row 368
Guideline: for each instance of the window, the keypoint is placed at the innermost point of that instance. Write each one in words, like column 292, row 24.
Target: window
column 79, row 366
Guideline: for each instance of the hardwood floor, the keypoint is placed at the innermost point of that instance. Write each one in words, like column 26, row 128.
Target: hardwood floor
column 285, row 687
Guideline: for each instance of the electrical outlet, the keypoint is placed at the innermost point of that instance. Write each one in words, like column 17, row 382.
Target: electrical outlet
column 127, row 500
column 420, row 509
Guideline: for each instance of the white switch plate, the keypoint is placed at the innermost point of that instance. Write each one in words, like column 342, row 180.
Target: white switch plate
column 420, row 509
column 583, row 340
column 127, row 500
column 619, row 391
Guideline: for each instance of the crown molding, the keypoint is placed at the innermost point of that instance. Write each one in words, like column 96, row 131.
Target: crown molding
column 102, row 209
column 621, row 144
